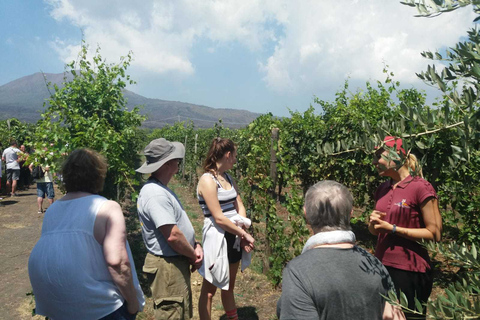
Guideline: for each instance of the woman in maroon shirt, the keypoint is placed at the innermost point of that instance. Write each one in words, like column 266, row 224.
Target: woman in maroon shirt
column 406, row 211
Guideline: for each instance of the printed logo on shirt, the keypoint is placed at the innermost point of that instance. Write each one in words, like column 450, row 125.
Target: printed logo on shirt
column 402, row 204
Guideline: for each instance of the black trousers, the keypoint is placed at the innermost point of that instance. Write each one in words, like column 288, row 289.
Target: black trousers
column 412, row 284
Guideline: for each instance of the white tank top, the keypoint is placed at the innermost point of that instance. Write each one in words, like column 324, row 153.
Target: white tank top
column 226, row 198
column 67, row 269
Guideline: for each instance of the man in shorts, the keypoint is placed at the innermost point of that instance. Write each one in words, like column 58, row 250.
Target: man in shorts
column 44, row 187
column 10, row 157
column 167, row 232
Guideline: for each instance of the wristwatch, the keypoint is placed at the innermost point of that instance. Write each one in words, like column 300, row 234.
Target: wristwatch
column 394, row 229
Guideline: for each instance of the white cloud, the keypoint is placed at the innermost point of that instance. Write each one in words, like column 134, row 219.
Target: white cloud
column 316, row 43
column 327, row 41
column 162, row 33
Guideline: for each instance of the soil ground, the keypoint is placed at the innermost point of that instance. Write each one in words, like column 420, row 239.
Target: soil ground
column 20, row 227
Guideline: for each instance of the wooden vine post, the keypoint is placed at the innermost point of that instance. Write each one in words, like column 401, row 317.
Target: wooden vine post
column 184, row 160
column 273, row 161
column 273, row 176
column 194, row 178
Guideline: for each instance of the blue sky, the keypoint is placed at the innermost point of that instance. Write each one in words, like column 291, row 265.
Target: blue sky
column 261, row 56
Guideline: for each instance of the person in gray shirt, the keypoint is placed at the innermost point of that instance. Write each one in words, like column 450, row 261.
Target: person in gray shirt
column 10, row 157
column 167, row 233
column 333, row 278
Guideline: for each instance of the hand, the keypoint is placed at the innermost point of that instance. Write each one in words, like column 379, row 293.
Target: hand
column 199, row 258
column 377, row 220
column 133, row 307
column 247, row 243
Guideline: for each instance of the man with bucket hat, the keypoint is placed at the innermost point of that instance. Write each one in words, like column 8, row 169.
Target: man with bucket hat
column 167, row 232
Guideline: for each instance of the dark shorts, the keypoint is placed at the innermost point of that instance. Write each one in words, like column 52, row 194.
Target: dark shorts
column 45, row 188
column 13, row 174
column 412, row 284
column 233, row 254
column 120, row 314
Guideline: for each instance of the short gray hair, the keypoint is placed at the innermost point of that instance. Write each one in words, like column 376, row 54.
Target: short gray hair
column 328, row 205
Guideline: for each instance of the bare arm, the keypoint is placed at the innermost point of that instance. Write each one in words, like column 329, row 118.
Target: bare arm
column 207, row 188
column 110, row 231
column 239, row 203
column 431, row 217
column 392, row 313
column 244, row 244
column 176, row 239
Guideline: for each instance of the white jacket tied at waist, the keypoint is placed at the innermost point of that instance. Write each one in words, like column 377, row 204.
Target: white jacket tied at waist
column 215, row 267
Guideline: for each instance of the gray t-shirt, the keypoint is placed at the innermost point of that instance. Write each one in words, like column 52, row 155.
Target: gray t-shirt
column 10, row 155
column 157, row 206
column 334, row 284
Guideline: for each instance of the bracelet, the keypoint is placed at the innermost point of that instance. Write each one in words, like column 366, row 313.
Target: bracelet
column 196, row 243
column 394, row 229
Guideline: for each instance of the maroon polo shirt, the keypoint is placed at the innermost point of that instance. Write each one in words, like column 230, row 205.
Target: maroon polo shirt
column 402, row 206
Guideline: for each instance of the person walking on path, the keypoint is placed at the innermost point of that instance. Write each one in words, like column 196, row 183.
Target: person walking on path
column 225, row 240
column 333, row 279
column 10, row 157
column 167, row 232
column 406, row 212
column 44, row 186
column 1, row 169
column 82, row 267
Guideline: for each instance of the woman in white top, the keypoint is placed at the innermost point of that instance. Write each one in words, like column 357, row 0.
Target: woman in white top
column 82, row 266
column 225, row 220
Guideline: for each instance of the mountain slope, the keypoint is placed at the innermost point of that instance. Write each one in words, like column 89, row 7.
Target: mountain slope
column 24, row 99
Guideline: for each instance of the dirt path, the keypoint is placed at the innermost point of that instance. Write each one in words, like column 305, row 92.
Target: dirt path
column 20, row 227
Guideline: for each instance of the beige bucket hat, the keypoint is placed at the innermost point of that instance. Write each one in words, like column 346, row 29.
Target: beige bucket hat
column 158, row 152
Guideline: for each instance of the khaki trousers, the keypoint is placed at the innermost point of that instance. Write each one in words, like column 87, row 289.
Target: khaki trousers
column 169, row 280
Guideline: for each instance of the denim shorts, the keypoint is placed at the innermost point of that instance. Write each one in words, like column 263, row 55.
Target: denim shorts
column 45, row 188
column 120, row 314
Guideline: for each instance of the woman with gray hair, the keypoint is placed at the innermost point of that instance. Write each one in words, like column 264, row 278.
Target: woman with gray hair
column 347, row 282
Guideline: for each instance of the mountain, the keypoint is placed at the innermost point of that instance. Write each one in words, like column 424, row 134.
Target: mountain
column 24, row 99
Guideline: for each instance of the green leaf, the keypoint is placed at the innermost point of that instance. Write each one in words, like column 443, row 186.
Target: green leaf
column 418, row 305
column 456, row 150
column 403, row 300
column 420, row 144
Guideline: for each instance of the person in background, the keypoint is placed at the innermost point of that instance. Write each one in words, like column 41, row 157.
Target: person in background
column 406, row 213
column 167, row 232
column 225, row 240
column 44, row 186
column 82, row 267
column 1, row 169
column 333, row 278
column 10, row 157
